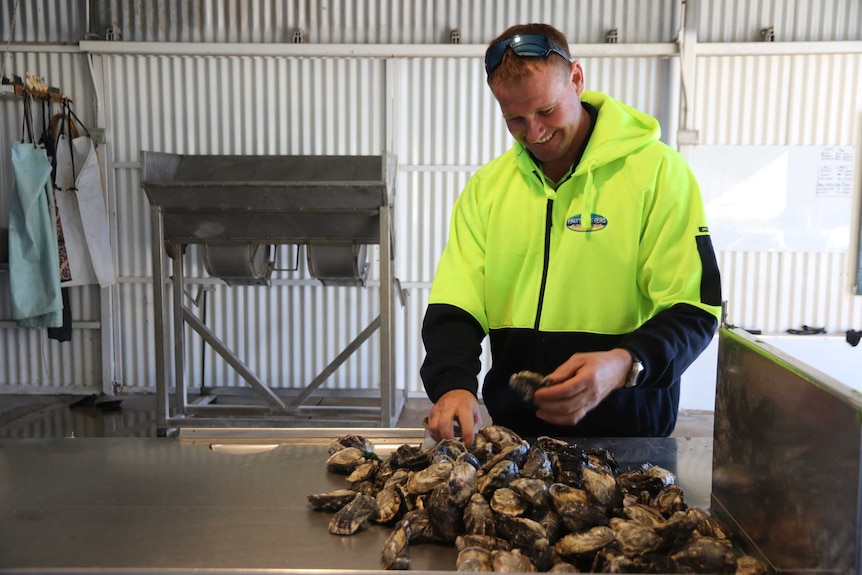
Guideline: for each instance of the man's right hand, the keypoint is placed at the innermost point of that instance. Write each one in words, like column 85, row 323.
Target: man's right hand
column 457, row 405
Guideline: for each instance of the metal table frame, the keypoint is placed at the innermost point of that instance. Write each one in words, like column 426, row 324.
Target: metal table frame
column 170, row 203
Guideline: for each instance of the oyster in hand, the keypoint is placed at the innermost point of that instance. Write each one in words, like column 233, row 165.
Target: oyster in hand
column 525, row 383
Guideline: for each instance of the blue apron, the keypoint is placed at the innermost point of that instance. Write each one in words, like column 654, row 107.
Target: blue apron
column 34, row 263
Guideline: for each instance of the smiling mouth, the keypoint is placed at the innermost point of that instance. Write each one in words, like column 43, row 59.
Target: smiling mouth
column 545, row 139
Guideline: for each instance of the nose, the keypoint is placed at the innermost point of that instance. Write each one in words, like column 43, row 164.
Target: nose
column 535, row 131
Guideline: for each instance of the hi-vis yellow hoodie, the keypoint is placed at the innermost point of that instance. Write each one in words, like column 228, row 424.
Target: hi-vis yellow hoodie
column 618, row 255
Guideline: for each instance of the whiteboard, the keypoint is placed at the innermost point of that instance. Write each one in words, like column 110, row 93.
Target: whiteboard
column 777, row 198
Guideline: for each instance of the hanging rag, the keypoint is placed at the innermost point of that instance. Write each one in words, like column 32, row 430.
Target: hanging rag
column 34, row 265
column 48, row 140
column 83, row 211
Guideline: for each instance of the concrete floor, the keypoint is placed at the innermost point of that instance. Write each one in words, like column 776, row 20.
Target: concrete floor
column 50, row 416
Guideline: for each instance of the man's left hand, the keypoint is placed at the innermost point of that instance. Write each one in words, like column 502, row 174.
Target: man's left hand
column 583, row 381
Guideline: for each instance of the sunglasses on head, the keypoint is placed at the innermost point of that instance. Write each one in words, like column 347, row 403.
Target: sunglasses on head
column 525, row 46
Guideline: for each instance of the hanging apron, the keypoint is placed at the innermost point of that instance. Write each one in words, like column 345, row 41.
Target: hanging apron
column 34, row 265
column 83, row 213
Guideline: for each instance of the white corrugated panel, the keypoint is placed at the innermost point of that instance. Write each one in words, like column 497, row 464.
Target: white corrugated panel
column 774, row 291
column 54, row 21
column 792, row 20
column 778, row 100
column 379, row 21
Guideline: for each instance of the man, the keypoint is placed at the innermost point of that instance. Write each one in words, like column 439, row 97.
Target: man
column 583, row 253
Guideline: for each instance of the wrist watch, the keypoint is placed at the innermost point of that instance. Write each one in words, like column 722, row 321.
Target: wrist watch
column 635, row 372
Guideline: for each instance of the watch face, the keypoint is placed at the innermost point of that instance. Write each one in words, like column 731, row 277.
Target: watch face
column 634, row 374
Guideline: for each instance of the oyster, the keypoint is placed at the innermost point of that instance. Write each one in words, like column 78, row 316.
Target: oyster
column 364, row 471
column 638, row 481
column 516, row 452
column 603, row 488
column 417, row 526
column 498, row 476
column 707, row 555
column 389, row 505
column 671, row 500
column 410, row 457
column 748, row 565
column 462, row 482
column 525, row 383
column 445, row 516
column 474, row 559
column 357, row 441
column 644, row 514
column 602, row 460
column 550, row 521
column 478, row 517
column 537, row 465
column 707, row 525
column 634, row 538
column 395, row 550
column 344, row 461
column 666, row 476
column 331, row 501
column 521, row 532
column 585, row 543
column 511, row 562
column 449, row 448
column 488, row 542
column 350, row 518
column 427, row 479
column 562, row 567
column 499, row 437
column 533, row 491
column 508, row 502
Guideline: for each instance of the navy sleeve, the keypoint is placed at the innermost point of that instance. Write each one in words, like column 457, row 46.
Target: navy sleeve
column 453, row 346
column 669, row 342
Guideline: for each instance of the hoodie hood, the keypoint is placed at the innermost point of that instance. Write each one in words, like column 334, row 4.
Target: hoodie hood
column 619, row 131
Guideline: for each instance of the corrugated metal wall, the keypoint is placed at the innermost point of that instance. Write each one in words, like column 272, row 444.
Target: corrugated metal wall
column 437, row 115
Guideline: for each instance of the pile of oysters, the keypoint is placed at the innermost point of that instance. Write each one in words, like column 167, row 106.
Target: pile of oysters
column 508, row 505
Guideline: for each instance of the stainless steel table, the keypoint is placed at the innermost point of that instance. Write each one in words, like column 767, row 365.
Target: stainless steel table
column 150, row 504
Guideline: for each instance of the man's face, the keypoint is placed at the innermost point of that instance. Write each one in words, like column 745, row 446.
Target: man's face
column 544, row 111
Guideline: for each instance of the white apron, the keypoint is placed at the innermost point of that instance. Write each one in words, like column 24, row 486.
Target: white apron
column 83, row 213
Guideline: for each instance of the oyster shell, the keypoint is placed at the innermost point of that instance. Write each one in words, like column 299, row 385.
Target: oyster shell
column 389, row 505
column 366, row 471
column 331, row 501
column 445, row 516
column 394, row 554
column 508, row 502
column 344, row 461
column 511, row 562
column 462, row 482
column 350, row 518
column 602, row 488
column 586, row 543
column 667, row 478
column 634, row 538
column 533, row 491
column 707, row 555
column 427, row 479
column 498, row 476
column 357, row 441
column 537, row 465
column 525, row 383
column 474, row 559
column 478, row 517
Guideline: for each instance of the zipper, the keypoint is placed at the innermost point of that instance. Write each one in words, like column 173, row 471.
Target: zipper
column 548, row 225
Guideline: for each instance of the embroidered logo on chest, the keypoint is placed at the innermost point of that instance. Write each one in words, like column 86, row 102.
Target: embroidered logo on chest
column 575, row 224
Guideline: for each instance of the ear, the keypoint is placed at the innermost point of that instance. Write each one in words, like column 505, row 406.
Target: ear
column 577, row 76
